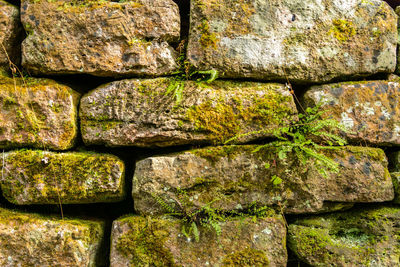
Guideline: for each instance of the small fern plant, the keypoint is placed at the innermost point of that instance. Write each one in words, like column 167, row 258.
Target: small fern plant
column 307, row 137
column 206, row 217
column 187, row 72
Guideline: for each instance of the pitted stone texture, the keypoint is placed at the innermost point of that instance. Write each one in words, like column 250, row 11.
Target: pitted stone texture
column 299, row 40
column 141, row 113
column 28, row 239
column 396, row 184
column 10, row 34
column 364, row 237
column 37, row 113
column 234, row 177
column 39, row 177
column 242, row 242
column 102, row 38
column 369, row 110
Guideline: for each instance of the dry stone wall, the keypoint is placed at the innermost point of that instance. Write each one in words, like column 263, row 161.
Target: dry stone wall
column 199, row 133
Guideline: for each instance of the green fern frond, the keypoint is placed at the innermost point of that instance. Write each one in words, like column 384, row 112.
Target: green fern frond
column 171, row 210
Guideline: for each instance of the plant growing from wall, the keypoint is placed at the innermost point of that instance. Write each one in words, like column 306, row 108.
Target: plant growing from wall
column 207, row 217
column 306, row 137
column 187, row 72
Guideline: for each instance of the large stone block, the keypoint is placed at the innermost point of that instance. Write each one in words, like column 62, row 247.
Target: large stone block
column 39, row 177
column 369, row 109
column 37, row 113
column 141, row 113
column 138, row 241
column 299, row 40
column 365, row 237
column 10, row 34
column 31, row 240
column 102, row 38
column 235, row 177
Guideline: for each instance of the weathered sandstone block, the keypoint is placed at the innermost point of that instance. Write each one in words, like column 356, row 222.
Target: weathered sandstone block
column 141, row 113
column 38, row 177
column 32, row 240
column 37, row 113
column 367, row 237
column 396, row 184
column 234, row 177
column 138, row 241
column 302, row 40
column 10, row 34
column 102, row 38
column 369, row 110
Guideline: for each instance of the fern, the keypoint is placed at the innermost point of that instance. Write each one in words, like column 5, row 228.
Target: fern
column 171, row 210
column 187, row 72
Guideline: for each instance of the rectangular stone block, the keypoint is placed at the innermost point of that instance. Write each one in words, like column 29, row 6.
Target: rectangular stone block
column 235, row 177
column 369, row 110
column 143, row 113
column 28, row 239
column 368, row 236
column 102, row 38
column 39, row 177
column 38, row 113
column 10, row 34
column 139, row 241
column 300, row 40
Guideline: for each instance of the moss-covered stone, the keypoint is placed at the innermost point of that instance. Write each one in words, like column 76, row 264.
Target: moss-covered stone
column 37, row 113
column 235, row 177
column 39, row 177
column 361, row 237
column 139, row 241
column 396, row 184
column 102, row 38
column 305, row 41
column 28, row 239
column 10, row 35
column 369, row 110
column 141, row 113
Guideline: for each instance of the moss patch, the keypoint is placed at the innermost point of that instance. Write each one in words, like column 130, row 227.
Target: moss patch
column 144, row 243
column 342, row 29
column 224, row 117
column 41, row 177
column 247, row 257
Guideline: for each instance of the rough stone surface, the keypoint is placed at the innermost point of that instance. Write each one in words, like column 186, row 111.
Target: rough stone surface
column 10, row 34
column 242, row 242
column 32, row 240
column 102, row 38
column 230, row 178
column 365, row 237
column 37, row 113
column 369, row 110
column 396, row 184
column 394, row 161
column 39, row 177
column 141, row 113
column 302, row 40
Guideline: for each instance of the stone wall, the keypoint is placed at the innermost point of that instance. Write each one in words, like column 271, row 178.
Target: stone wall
column 121, row 148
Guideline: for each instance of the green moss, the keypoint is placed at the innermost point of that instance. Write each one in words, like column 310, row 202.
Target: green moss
column 80, row 6
column 75, row 177
column 357, row 235
column 375, row 154
column 95, row 226
column 342, row 29
column 247, row 257
column 207, row 38
column 144, row 243
column 223, row 117
column 213, row 154
column 30, row 116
